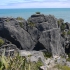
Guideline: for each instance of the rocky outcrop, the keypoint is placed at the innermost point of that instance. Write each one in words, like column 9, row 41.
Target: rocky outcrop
column 67, row 25
column 46, row 32
column 51, row 40
column 9, row 50
column 12, row 31
column 40, row 32
column 34, row 55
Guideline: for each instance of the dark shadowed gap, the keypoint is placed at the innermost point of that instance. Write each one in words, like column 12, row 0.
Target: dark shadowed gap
column 67, row 49
column 39, row 47
column 67, row 27
column 5, row 34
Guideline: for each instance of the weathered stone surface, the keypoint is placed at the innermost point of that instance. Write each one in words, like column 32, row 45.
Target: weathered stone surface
column 34, row 56
column 44, row 26
column 34, row 32
column 2, row 24
column 38, row 32
column 51, row 41
column 36, row 18
column 9, row 50
column 9, row 47
column 17, row 35
column 49, row 33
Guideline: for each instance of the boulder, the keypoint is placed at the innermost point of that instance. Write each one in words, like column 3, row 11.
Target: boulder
column 12, row 31
column 33, row 56
column 8, row 50
column 51, row 41
column 47, row 34
column 37, row 18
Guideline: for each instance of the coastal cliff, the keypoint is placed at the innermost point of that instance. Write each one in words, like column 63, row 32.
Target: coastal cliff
column 40, row 33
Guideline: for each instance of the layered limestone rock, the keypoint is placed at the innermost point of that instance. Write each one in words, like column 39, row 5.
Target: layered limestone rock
column 15, row 34
column 39, row 32
column 45, row 31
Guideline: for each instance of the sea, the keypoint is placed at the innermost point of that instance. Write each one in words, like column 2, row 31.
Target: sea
column 25, row 13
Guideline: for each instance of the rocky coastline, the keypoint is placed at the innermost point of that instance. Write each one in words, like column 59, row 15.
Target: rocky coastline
column 41, row 33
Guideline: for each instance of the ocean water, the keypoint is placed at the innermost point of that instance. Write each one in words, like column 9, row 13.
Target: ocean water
column 27, row 12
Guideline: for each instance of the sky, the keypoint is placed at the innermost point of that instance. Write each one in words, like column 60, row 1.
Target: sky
column 34, row 4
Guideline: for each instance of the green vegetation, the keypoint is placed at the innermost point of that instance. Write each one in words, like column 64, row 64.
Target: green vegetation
column 7, row 20
column 68, row 33
column 33, row 65
column 21, row 24
column 1, row 42
column 37, row 12
column 9, row 63
column 19, row 18
column 68, row 59
column 60, row 22
column 63, row 26
column 69, row 55
column 60, row 67
column 63, row 33
column 39, row 63
column 18, row 63
column 31, row 24
column 47, row 54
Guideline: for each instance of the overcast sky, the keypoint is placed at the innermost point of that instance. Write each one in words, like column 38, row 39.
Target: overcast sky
column 34, row 3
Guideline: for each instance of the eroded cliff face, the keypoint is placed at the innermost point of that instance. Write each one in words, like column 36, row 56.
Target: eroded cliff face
column 45, row 31
column 15, row 34
column 39, row 32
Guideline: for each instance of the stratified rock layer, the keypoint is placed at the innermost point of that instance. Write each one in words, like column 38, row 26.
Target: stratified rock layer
column 39, row 32
column 46, row 32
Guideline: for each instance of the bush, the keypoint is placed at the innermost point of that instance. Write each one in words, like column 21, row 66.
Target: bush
column 18, row 63
column 68, row 59
column 7, row 19
column 47, row 54
column 63, row 33
column 33, row 65
column 39, row 63
column 61, row 20
column 19, row 18
column 68, row 33
column 1, row 42
column 60, row 67
column 37, row 12
column 21, row 24
column 9, row 63
column 31, row 24
column 63, row 26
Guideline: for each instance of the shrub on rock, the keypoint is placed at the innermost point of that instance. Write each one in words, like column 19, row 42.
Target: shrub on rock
column 1, row 42
column 37, row 12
